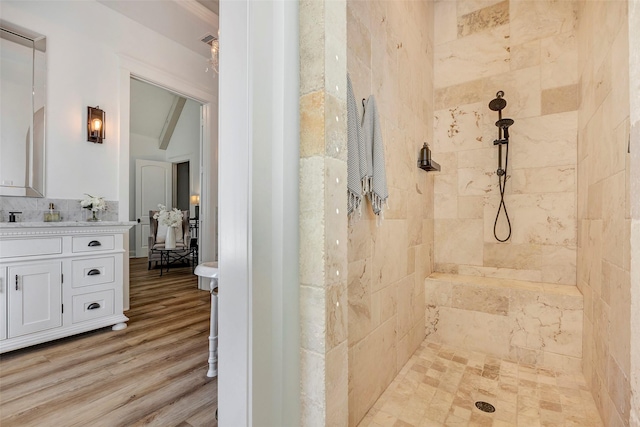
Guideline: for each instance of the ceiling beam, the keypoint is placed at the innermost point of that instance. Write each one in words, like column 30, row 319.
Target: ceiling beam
column 172, row 121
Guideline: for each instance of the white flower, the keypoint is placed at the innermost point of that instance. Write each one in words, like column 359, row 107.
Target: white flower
column 94, row 203
column 170, row 218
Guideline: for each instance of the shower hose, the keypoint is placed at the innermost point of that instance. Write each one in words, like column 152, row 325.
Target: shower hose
column 502, row 182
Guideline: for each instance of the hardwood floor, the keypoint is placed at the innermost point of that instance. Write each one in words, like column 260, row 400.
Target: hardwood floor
column 151, row 373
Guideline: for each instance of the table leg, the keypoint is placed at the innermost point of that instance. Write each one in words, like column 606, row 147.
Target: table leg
column 213, row 335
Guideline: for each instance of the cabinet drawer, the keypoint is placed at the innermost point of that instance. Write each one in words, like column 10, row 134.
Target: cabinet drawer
column 92, row 271
column 93, row 305
column 93, row 243
column 30, row 247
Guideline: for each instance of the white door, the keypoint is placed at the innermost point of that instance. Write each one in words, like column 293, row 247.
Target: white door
column 153, row 187
column 35, row 298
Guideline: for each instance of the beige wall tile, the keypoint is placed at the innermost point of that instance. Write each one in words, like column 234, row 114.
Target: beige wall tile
column 482, row 19
column 544, row 141
column 446, row 24
column 525, row 55
column 560, row 99
column 478, row 55
column 447, row 237
column 359, row 296
column 337, row 409
column 559, row 56
column 480, row 298
column 537, row 19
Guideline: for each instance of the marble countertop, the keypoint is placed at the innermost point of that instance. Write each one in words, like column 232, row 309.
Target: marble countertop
column 7, row 225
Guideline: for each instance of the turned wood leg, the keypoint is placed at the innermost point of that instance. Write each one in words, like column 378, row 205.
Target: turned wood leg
column 213, row 334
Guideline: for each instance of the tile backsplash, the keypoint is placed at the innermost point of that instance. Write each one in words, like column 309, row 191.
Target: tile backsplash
column 33, row 209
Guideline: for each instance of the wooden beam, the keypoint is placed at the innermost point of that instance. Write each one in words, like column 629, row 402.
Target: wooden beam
column 172, row 121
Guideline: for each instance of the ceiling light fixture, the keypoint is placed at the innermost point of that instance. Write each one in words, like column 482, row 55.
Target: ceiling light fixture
column 214, row 43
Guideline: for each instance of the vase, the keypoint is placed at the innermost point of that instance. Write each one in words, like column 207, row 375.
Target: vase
column 170, row 240
column 93, row 216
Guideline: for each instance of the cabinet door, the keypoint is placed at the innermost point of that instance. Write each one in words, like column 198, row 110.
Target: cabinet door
column 35, row 298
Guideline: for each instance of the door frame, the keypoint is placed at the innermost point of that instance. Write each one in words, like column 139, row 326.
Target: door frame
column 133, row 68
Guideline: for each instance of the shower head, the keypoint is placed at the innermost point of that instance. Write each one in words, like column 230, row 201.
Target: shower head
column 498, row 103
column 504, row 123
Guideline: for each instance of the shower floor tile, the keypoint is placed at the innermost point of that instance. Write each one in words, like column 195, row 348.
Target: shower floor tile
column 440, row 385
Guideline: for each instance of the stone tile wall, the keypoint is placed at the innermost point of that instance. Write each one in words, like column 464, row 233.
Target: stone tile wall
column 604, row 204
column 390, row 55
column 534, row 323
column 323, row 219
column 528, row 49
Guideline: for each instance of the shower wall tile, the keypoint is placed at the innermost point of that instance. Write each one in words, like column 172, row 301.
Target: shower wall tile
column 554, row 136
column 546, row 219
column 360, row 301
column 458, row 128
column 525, row 55
column 312, row 137
column 445, row 25
column 554, row 179
column 460, row 94
column 390, row 56
column 448, row 237
column 529, row 322
column 470, row 207
column 465, row 7
column 372, row 366
column 476, row 298
column 389, row 253
column 502, row 273
column 469, row 58
column 538, row 50
column 559, row 55
column 482, row 19
column 531, row 20
column 560, row 99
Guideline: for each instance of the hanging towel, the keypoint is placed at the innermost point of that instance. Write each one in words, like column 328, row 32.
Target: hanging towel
column 355, row 150
column 375, row 160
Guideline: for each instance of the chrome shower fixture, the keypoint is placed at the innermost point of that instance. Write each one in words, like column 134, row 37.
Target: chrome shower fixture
column 498, row 104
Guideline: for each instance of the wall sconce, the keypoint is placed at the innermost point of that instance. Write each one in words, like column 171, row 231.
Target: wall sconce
column 195, row 200
column 95, row 124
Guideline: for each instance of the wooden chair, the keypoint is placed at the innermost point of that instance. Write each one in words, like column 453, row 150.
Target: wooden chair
column 156, row 244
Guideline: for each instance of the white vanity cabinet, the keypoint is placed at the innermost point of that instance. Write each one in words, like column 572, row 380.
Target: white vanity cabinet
column 59, row 279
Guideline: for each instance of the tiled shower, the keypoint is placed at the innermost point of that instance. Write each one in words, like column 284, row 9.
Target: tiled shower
column 434, row 67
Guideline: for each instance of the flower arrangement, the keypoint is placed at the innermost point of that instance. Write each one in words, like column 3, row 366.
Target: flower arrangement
column 170, row 218
column 94, row 203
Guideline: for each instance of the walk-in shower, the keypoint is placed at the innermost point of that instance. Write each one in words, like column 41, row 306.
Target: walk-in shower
column 498, row 104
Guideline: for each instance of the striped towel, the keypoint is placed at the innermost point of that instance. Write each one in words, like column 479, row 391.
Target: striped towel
column 355, row 153
column 377, row 191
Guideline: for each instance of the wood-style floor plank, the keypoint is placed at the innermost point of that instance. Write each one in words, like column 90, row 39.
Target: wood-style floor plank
column 153, row 373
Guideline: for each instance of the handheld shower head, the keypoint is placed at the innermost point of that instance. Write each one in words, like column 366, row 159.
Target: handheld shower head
column 504, row 125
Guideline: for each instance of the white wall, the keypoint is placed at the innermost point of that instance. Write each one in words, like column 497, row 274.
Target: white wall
column 86, row 42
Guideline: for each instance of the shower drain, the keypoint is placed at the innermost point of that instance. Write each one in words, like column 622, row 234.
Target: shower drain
column 485, row 407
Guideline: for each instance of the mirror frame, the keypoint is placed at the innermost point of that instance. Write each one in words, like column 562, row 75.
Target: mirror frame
column 36, row 138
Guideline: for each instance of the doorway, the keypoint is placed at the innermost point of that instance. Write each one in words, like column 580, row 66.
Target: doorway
column 164, row 154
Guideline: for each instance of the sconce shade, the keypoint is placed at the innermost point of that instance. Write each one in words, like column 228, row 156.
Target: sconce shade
column 95, row 124
column 195, row 199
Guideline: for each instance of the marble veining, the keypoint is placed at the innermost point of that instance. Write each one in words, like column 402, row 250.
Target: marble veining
column 529, row 322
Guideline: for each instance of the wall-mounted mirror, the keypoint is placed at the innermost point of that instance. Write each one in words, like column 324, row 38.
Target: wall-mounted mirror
column 22, row 111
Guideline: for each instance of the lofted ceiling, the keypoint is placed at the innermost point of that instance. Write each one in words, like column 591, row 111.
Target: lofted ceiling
column 150, row 108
